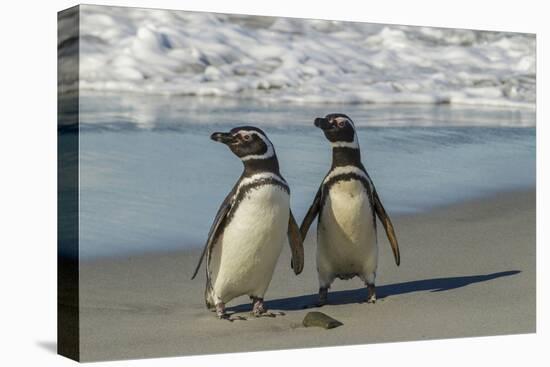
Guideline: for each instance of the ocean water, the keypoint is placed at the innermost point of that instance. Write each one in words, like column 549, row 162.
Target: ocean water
column 274, row 59
column 443, row 115
column 152, row 180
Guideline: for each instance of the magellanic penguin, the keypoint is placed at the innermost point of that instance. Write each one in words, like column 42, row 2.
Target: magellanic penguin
column 251, row 226
column 347, row 204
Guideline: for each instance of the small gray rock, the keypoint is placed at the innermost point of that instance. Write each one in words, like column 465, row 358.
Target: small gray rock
column 320, row 319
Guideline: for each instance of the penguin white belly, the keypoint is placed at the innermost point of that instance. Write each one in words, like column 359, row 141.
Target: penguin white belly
column 346, row 234
column 250, row 246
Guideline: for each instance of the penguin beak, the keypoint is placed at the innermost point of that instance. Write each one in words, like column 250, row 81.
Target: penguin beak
column 225, row 138
column 322, row 123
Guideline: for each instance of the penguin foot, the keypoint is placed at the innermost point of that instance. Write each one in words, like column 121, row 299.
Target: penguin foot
column 371, row 298
column 222, row 315
column 259, row 310
column 232, row 318
column 220, row 312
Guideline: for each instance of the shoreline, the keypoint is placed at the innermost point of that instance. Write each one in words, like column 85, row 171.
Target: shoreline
column 197, row 248
column 468, row 270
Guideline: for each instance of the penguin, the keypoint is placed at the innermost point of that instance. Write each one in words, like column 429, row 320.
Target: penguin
column 250, row 227
column 346, row 204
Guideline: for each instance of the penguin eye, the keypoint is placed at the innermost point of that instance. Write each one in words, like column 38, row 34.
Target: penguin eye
column 341, row 123
column 246, row 137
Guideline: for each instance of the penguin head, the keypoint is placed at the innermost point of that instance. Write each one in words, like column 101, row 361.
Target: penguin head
column 246, row 142
column 339, row 130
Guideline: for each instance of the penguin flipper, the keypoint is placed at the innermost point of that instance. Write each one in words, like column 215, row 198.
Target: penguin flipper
column 296, row 245
column 214, row 229
column 388, row 226
column 311, row 214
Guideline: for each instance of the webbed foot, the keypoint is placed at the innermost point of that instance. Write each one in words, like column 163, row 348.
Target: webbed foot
column 259, row 309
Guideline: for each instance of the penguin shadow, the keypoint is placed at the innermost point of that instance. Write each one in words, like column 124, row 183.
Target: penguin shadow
column 360, row 295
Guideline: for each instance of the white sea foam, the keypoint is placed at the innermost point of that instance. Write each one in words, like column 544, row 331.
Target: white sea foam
column 301, row 61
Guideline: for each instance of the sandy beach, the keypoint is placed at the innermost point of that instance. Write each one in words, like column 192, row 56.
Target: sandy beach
column 467, row 270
